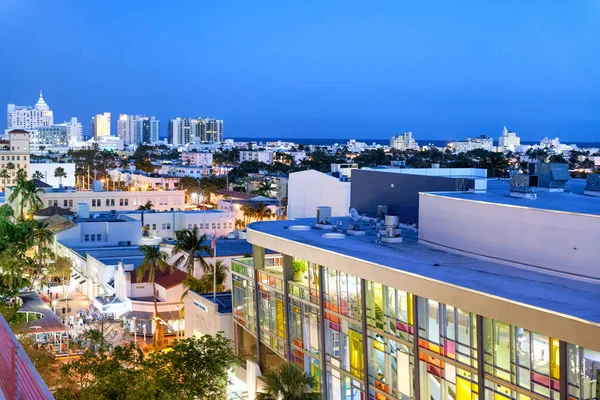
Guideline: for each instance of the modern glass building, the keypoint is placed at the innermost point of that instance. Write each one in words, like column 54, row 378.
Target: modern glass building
column 405, row 321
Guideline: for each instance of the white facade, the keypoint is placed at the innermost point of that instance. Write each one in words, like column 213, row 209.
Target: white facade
column 202, row 317
column 15, row 153
column 165, row 224
column 508, row 141
column 471, row 144
column 183, row 170
column 260, row 156
column 404, row 142
column 309, row 189
column 48, row 169
column 50, row 137
column 110, row 143
column 126, row 129
column 104, row 231
column 197, row 158
column 142, row 181
column 29, row 118
column 113, row 200
column 558, row 242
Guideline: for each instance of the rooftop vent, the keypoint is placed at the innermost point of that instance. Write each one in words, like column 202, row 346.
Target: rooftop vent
column 324, row 217
column 392, row 230
column 333, row 235
column 592, row 186
column 551, row 176
column 524, row 186
column 299, row 228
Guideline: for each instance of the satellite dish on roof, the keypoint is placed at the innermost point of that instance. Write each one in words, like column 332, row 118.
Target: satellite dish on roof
column 354, row 215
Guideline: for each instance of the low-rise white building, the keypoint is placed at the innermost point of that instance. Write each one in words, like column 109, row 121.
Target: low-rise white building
column 471, row 144
column 164, row 224
column 260, row 156
column 508, row 141
column 197, row 158
column 98, row 201
column 206, row 314
column 183, row 170
column 404, row 142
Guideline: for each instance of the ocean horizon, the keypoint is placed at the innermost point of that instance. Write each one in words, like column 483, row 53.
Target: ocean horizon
column 422, row 142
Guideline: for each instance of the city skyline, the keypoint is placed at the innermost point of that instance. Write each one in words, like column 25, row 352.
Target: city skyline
column 442, row 72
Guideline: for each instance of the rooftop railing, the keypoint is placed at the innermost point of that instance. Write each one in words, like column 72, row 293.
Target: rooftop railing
column 18, row 377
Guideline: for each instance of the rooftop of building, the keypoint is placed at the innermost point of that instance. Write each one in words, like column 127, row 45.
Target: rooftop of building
column 128, row 255
column 146, row 212
column 559, row 294
column 222, row 300
column 572, row 200
column 226, row 247
column 106, row 217
column 52, row 210
column 166, row 279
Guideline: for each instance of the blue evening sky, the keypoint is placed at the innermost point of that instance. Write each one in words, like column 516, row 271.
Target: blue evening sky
column 313, row 68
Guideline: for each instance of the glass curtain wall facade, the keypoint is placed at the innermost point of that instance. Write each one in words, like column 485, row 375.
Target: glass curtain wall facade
column 365, row 340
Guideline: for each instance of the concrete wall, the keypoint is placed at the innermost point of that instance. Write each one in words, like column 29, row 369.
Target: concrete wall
column 111, row 233
column 166, row 221
column 47, row 169
column 309, row 189
column 558, row 241
column 161, row 200
column 199, row 321
column 399, row 191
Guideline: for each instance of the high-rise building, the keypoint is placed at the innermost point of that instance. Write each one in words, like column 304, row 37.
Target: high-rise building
column 29, row 118
column 126, row 129
column 135, row 129
column 404, row 142
column 212, row 130
column 184, row 131
column 74, row 129
column 508, row 140
column 100, row 125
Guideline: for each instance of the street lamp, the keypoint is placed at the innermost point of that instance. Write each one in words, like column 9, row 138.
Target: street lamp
column 135, row 335
column 54, row 305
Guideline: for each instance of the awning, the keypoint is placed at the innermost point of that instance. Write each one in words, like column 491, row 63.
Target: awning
column 146, row 315
column 83, row 281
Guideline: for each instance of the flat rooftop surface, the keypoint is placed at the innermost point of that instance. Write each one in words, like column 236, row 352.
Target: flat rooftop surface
column 112, row 255
column 571, row 200
column 559, row 294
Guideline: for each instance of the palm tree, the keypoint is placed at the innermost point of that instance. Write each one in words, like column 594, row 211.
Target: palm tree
column 249, row 211
column 37, row 175
column 288, row 383
column 43, row 237
column 265, row 187
column 189, row 247
column 42, row 148
column 10, row 167
column 4, row 175
column 539, row 155
column 155, row 261
column 60, row 173
column 30, row 198
column 208, row 277
column 263, row 212
column 191, row 283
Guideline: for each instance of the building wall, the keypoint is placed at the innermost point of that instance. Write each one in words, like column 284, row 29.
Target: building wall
column 381, row 321
column 163, row 224
column 309, row 189
column 516, row 234
column 123, row 201
column 205, row 319
column 400, row 192
column 47, row 169
column 196, row 158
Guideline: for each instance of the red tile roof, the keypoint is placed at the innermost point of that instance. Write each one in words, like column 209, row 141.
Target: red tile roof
column 165, row 279
column 236, row 195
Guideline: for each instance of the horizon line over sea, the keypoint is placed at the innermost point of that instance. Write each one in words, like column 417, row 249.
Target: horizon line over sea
column 436, row 142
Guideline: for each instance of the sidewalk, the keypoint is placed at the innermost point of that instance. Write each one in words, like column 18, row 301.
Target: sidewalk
column 77, row 301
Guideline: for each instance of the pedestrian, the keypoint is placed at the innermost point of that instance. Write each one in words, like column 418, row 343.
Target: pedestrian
column 64, row 310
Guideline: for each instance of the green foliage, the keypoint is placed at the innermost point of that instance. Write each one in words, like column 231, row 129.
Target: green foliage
column 192, row 369
column 6, row 211
column 147, row 206
column 290, row 383
column 189, row 248
column 299, row 266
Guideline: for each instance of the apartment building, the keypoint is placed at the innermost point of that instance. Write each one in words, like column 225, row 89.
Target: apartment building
column 111, row 200
column 260, row 156
column 14, row 156
column 404, row 142
column 495, row 300
column 197, row 158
